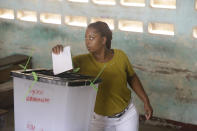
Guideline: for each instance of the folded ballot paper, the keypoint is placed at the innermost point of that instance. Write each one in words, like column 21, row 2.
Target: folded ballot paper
column 62, row 62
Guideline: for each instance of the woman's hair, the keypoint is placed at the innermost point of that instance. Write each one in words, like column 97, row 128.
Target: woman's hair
column 104, row 30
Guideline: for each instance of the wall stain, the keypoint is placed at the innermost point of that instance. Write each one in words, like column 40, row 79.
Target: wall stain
column 174, row 70
column 187, row 100
column 168, row 71
column 26, row 48
column 159, row 61
column 140, row 68
column 162, row 72
column 185, row 95
column 1, row 42
column 191, row 76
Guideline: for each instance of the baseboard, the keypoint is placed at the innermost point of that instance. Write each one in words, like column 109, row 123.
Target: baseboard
column 169, row 123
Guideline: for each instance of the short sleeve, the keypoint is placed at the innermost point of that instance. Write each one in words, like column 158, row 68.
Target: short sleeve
column 129, row 68
column 130, row 71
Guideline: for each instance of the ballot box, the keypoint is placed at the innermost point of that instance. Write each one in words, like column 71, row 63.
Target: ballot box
column 63, row 102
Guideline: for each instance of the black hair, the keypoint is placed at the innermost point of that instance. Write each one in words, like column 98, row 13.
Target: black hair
column 104, row 30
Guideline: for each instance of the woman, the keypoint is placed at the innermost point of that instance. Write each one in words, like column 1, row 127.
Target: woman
column 114, row 109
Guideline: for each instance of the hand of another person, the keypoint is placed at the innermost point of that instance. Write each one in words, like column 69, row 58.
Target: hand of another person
column 148, row 111
column 57, row 49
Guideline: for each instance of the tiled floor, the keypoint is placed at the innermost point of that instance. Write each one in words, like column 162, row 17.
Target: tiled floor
column 9, row 124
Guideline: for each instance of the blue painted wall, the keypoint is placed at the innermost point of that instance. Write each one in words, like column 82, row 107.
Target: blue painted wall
column 166, row 65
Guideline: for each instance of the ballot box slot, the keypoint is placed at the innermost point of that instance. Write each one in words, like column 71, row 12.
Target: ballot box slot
column 47, row 76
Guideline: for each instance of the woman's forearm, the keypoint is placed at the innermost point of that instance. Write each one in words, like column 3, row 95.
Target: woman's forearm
column 136, row 85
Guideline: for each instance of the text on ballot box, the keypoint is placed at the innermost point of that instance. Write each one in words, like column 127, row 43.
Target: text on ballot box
column 55, row 103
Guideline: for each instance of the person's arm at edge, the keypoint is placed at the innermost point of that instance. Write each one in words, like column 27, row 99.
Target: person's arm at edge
column 136, row 85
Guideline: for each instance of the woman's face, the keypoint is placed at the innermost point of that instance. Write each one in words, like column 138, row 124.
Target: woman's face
column 94, row 41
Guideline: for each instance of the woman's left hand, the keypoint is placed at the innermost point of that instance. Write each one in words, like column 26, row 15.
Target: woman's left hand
column 148, row 110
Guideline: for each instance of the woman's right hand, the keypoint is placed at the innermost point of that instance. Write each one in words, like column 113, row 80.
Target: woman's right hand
column 57, row 49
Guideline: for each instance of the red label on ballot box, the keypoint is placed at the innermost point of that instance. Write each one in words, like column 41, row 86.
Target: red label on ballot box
column 36, row 95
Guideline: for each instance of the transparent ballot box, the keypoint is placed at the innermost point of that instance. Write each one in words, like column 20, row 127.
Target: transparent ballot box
column 63, row 102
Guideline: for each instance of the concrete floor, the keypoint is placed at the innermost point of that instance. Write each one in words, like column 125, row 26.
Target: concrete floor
column 9, row 124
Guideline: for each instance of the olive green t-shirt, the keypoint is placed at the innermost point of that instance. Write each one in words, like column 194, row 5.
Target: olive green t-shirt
column 113, row 96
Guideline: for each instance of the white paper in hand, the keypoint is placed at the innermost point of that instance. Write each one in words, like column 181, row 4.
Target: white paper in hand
column 62, row 62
